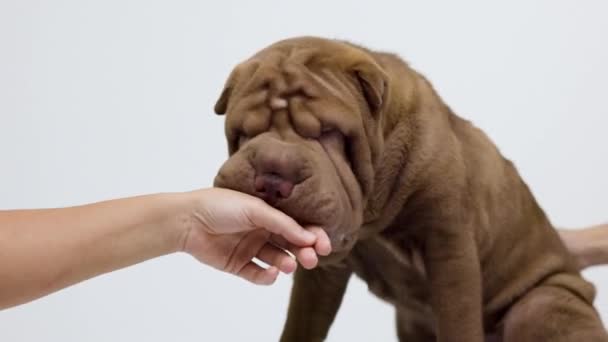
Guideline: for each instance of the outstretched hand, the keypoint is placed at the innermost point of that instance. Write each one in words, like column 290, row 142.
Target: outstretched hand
column 228, row 229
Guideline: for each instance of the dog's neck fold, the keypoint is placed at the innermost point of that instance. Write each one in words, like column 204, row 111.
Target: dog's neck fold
column 408, row 143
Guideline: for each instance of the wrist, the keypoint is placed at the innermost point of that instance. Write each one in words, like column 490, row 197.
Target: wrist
column 176, row 222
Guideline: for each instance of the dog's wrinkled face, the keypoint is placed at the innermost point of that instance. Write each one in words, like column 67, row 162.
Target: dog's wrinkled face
column 302, row 133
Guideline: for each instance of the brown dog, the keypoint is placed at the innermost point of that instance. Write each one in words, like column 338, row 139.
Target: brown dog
column 416, row 201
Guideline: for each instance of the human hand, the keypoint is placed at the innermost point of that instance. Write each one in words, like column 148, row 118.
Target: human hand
column 227, row 229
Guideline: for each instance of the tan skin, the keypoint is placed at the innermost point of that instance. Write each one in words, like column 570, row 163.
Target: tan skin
column 45, row 250
column 589, row 244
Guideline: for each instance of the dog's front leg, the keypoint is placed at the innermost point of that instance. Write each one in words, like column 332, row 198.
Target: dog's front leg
column 455, row 280
column 315, row 298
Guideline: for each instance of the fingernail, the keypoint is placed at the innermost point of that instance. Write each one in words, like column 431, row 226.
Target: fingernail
column 310, row 235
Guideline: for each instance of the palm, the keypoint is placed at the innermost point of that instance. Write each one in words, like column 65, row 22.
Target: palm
column 229, row 252
column 230, row 229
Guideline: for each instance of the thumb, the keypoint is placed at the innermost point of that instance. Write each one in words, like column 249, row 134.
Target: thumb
column 263, row 216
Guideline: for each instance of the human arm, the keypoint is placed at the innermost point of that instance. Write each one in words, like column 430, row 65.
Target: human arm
column 44, row 250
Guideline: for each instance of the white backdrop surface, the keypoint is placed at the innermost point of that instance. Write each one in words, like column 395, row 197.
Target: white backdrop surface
column 102, row 99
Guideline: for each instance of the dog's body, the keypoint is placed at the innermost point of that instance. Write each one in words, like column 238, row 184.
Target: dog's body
column 417, row 201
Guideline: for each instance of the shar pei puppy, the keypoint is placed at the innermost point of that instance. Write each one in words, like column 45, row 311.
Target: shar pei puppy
column 416, row 201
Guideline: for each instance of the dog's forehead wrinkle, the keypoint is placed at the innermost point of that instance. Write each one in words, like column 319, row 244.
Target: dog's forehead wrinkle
column 287, row 73
column 288, row 93
column 302, row 55
column 277, row 103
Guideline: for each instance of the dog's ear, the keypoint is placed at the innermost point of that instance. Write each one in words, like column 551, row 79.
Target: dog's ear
column 373, row 81
column 221, row 105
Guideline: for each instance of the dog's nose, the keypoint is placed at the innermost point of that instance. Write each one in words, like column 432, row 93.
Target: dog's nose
column 278, row 169
column 272, row 186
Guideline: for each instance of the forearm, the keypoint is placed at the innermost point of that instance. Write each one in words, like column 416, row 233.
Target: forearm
column 42, row 251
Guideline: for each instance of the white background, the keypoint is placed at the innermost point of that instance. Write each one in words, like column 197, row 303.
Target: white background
column 102, row 99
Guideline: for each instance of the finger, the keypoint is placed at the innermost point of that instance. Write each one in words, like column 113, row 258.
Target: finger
column 264, row 216
column 306, row 256
column 323, row 245
column 259, row 275
column 277, row 257
column 280, row 242
column 246, row 249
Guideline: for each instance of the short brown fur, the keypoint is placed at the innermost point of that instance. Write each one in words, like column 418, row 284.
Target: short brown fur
column 444, row 228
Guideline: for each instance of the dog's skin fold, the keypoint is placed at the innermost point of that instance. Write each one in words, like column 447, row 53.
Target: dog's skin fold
column 417, row 201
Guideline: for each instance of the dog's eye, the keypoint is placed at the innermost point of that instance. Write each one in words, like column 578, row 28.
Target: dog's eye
column 335, row 139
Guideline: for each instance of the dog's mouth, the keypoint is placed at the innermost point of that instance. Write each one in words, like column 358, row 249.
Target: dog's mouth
column 339, row 228
column 310, row 180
